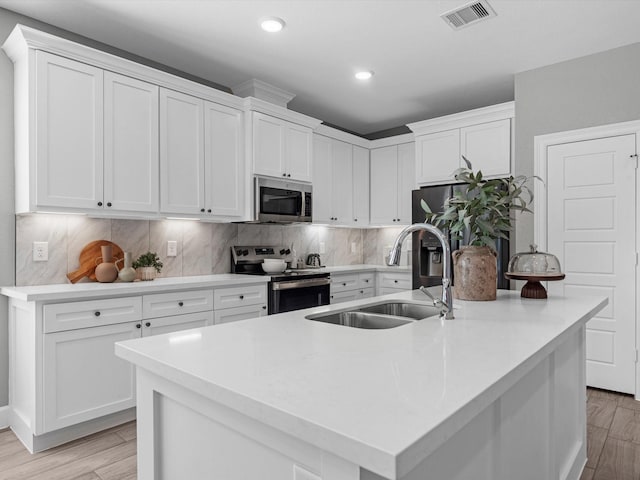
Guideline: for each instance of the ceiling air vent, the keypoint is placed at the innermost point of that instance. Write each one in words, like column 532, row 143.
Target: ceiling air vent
column 468, row 14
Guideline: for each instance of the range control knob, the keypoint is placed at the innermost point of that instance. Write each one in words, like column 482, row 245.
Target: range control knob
column 287, row 251
column 282, row 251
column 239, row 252
column 245, row 252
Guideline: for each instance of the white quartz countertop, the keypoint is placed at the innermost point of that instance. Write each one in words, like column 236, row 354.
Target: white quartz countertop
column 82, row 291
column 383, row 399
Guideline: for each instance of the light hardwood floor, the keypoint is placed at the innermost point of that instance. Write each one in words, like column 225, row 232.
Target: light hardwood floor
column 613, row 448
column 108, row 455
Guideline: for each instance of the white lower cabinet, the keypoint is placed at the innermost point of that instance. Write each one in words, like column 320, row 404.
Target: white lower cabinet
column 393, row 282
column 352, row 286
column 157, row 326
column 83, row 379
column 239, row 303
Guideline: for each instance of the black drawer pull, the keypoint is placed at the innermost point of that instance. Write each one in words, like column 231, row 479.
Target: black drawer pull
column 138, row 325
column 99, row 204
column 344, row 284
column 148, row 324
column 108, row 204
column 241, row 297
column 97, row 314
column 180, row 304
column 264, row 307
column 395, row 281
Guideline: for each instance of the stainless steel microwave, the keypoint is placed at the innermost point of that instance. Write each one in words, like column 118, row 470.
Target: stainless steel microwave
column 282, row 201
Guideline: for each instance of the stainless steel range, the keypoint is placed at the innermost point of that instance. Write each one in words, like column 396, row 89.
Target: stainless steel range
column 293, row 289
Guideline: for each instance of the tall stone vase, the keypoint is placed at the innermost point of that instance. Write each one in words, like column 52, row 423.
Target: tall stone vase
column 474, row 273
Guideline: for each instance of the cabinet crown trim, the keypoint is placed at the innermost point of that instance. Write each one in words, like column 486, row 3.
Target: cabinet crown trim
column 23, row 38
column 253, row 104
column 464, row 119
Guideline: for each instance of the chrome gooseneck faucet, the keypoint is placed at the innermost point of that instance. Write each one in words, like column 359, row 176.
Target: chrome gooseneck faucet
column 446, row 304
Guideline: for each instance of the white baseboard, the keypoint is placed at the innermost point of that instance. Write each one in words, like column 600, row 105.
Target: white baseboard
column 4, row 416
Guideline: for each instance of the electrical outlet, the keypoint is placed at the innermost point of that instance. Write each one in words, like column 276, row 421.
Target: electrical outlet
column 172, row 248
column 40, row 251
column 322, row 248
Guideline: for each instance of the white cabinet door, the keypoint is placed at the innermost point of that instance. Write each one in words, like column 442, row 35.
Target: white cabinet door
column 181, row 153
column 239, row 313
column 384, row 185
column 438, row 155
column 224, row 160
column 406, row 181
column 157, row 326
column 268, row 145
column 130, row 144
column 298, row 151
column 83, row 378
column 69, row 133
column 322, row 208
column 342, row 183
column 360, row 186
column 488, row 147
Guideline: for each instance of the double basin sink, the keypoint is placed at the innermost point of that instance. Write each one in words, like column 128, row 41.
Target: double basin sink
column 378, row 315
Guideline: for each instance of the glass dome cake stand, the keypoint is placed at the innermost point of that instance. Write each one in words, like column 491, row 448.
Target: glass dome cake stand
column 534, row 267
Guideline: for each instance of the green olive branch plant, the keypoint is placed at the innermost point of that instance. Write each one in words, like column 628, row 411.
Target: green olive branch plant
column 149, row 259
column 482, row 211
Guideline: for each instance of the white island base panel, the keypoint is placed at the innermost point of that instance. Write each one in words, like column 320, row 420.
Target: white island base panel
column 534, row 428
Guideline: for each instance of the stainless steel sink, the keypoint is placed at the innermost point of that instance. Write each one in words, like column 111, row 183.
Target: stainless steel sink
column 357, row 319
column 402, row 309
column 378, row 315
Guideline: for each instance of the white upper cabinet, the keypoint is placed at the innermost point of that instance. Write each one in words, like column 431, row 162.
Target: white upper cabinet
column 224, row 160
column 201, row 157
column 488, row 147
column 281, row 148
column 181, row 153
column 67, row 161
column 130, row 144
column 392, row 179
column 333, row 187
column 483, row 136
column 361, row 186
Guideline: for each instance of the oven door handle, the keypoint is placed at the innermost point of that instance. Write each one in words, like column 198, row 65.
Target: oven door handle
column 305, row 283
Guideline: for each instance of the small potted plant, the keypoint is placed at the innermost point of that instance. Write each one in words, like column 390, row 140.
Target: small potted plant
column 148, row 265
column 479, row 214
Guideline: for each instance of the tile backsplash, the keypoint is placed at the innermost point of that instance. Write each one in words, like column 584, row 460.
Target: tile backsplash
column 203, row 248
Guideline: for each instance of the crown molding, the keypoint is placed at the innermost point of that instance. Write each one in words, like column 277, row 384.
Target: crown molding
column 395, row 140
column 336, row 134
column 257, row 105
column 264, row 91
column 492, row 113
column 23, row 38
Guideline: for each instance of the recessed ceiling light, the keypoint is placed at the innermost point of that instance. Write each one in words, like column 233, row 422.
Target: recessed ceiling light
column 364, row 75
column 272, row 24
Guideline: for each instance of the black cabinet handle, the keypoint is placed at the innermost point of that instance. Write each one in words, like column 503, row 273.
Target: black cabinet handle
column 108, row 204
column 264, row 307
column 344, row 284
column 202, row 210
column 138, row 325
column 180, row 304
column 284, row 174
column 97, row 314
column 241, row 297
column 99, row 204
column 288, row 174
column 209, row 211
column 366, row 280
column 395, row 281
column 148, row 324
column 361, row 291
column 355, row 219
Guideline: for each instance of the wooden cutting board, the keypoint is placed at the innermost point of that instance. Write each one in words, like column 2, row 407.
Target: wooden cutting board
column 89, row 257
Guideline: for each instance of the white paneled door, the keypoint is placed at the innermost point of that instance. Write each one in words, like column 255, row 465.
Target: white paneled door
column 591, row 211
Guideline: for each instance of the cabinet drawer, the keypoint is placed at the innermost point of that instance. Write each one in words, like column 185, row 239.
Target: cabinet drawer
column 158, row 326
column 341, row 283
column 70, row 316
column 176, row 303
column 388, row 290
column 366, row 280
column 344, row 296
column 401, row 281
column 240, row 296
column 240, row 313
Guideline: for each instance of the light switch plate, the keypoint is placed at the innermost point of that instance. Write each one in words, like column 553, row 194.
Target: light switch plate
column 172, row 248
column 40, row 251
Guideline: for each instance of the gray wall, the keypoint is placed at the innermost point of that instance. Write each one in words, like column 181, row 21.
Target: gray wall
column 594, row 90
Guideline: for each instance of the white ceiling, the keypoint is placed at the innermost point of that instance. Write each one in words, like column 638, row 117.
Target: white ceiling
column 423, row 68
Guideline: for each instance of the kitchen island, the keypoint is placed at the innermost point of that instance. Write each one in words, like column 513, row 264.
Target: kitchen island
column 497, row 393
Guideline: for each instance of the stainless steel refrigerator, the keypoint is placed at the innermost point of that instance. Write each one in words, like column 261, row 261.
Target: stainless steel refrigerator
column 427, row 257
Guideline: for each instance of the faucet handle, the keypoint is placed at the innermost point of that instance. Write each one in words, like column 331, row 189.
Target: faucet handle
column 436, row 301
